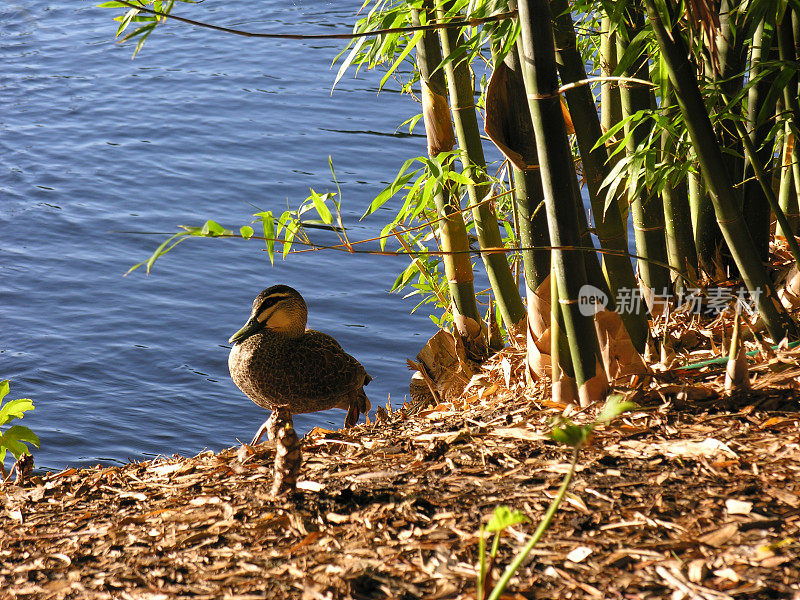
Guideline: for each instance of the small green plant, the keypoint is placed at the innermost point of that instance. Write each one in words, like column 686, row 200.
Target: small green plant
column 502, row 518
column 15, row 437
column 572, row 435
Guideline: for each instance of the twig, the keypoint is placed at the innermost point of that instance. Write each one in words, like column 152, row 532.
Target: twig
column 329, row 36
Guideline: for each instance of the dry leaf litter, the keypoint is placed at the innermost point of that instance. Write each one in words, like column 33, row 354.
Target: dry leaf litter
column 695, row 495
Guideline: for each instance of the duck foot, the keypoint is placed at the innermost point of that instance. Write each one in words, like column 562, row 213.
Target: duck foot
column 270, row 427
column 359, row 403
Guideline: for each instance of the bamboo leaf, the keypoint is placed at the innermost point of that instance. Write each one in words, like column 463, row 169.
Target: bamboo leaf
column 775, row 91
column 614, row 407
column 125, row 20
column 411, row 45
column 633, row 51
column 212, row 229
column 291, row 229
column 387, row 193
column 349, row 60
column 322, row 209
column 571, row 434
column 268, row 228
column 385, row 233
column 162, row 249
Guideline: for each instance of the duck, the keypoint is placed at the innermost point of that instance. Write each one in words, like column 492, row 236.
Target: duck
column 288, row 369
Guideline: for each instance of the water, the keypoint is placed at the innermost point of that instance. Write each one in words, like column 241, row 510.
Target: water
column 200, row 125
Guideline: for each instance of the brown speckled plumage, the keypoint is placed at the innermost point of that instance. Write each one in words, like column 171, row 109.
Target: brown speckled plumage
column 276, row 362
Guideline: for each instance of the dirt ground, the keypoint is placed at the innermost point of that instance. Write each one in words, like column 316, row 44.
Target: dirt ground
column 694, row 495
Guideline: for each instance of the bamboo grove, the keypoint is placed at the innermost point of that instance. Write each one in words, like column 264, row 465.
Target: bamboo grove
column 555, row 131
column 675, row 121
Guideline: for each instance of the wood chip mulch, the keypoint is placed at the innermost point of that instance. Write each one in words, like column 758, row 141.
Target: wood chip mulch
column 696, row 495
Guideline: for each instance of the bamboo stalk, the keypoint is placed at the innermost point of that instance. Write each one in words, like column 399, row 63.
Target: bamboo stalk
column 610, row 106
column 787, row 196
column 728, row 215
column 558, row 183
column 465, row 119
column 608, row 223
column 532, row 227
column 705, row 230
column 769, row 194
column 452, row 229
column 646, row 210
column 681, row 252
column 728, row 74
column 755, row 207
column 528, row 196
column 787, row 51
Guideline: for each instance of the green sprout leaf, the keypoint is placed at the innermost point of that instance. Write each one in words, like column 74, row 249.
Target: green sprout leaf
column 15, row 437
column 614, row 407
column 571, row 434
column 14, row 440
column 14, row 409
column 505, row 517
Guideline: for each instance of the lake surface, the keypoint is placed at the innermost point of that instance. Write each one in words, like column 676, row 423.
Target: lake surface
column 201, row 125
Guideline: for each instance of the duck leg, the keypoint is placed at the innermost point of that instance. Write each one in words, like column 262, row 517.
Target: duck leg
column 359, row 403
column 287, row 454
column 270, row 427
column 352, row 416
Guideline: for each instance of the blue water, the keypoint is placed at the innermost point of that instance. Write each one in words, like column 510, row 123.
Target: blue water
column 200, row 125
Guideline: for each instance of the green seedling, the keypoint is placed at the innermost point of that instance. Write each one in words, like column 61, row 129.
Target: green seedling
column 15, row 438
column 575, row 436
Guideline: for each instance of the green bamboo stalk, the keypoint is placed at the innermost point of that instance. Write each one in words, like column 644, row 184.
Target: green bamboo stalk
column 646, row 209
column 532, row 227
column 769, row 194
column 452, row 229
column 787, row 51
column 677, row 214
column 787, row 195
column 594, row 271
column 729, row 217
column 755, row 207
column 528, row 195
column 558, row 181
column 555, row 338
column 729, row 77
column 705, row 230
column 610, row 105
column 465, row 118
column 608, row 223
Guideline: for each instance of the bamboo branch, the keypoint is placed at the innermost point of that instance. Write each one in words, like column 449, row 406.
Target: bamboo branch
column 324, row 36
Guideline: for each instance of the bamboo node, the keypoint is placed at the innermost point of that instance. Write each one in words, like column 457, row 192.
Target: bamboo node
column 543, row 96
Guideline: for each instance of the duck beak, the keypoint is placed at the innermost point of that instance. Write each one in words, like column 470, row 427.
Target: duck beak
column 245, row 332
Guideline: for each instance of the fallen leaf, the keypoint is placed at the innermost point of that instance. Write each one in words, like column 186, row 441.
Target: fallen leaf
column 578, row 554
